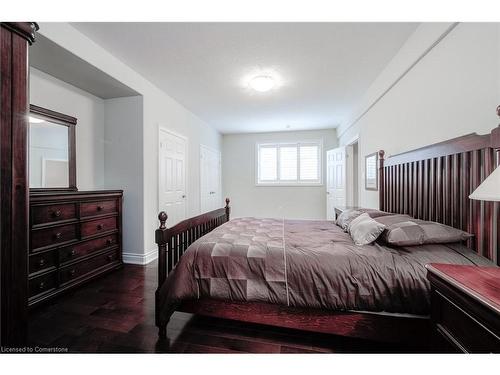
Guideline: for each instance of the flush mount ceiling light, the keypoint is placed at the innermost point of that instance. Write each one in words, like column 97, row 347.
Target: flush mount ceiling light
column 262, row 83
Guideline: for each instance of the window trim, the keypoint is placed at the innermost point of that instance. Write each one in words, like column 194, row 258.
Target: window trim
column 289, row 183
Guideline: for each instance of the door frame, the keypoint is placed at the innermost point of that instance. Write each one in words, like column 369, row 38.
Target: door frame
column 220, row 171
column 175, row 134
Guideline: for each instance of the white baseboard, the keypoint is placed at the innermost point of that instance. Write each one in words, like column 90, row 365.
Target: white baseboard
column 142, row 259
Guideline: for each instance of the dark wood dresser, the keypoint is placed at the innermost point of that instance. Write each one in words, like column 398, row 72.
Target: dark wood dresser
column 74, row 237
column 465, row 308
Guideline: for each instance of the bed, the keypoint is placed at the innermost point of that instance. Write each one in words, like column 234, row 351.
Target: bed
column 309, row 275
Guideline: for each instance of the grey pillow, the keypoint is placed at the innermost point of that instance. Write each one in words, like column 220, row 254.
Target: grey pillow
column 393, row 219
column 373, row 213
column 364, row 230
column 346, row 217
column 418, row 232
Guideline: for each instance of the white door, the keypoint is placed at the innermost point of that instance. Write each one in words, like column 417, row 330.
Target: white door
column 172, row 176
column 335, row 180
column 210, row 178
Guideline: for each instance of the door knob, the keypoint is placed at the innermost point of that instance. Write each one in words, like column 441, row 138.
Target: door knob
column 183, row 196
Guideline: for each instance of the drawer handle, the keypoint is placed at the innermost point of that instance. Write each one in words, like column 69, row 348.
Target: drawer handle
column 41, row 286
column 99, row 226
column 109, row 241
column 41, row 263
column 100, row 208
column 73, row 252
column 56, row 213
column 72, row 273
column 58, row 235
column 110, row 257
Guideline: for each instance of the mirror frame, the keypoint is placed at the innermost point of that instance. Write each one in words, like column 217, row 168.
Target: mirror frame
column 70, row 122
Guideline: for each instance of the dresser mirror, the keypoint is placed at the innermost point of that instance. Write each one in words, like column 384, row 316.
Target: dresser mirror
column 52, row 162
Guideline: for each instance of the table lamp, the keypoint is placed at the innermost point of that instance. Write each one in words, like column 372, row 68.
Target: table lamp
column 489, row 189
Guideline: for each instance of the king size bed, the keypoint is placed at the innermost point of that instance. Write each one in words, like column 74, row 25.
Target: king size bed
column 310, row 275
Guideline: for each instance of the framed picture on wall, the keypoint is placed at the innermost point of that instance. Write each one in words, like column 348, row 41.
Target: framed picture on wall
column 371, row 175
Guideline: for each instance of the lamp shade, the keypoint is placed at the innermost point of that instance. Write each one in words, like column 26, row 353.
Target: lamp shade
column 489, row 190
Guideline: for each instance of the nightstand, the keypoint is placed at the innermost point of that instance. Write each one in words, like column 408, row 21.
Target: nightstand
column 465, row 308
column 340, row 209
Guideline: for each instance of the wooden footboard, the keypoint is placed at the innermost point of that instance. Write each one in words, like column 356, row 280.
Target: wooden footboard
column 173, row 242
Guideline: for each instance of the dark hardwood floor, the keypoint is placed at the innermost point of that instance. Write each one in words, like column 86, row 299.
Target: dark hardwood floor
column 115, row 314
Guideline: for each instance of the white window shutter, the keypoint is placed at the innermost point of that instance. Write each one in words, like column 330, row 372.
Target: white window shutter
column 309, row 163
column 268, row 163
column 288, row 163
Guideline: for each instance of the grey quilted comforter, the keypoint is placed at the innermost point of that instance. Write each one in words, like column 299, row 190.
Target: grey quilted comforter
column 306, row 264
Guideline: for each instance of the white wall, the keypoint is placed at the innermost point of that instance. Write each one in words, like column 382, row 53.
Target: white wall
column 51, row 93
column 158, row 108
column 123, row 161
column 247, row 199
column 451, row 91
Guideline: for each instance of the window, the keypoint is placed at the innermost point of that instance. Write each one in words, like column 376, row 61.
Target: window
column 289, row 163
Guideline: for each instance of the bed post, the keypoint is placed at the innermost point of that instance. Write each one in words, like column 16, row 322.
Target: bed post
column 161, row 237
column 381, row 180
column 228, row 209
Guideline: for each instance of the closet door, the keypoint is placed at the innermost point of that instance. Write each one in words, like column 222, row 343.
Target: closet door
column 335, row 180
column 14, row 110
column 172, row 176
column 210, row 179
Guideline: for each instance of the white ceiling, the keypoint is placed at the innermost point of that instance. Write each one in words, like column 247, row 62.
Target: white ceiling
column 324, row 68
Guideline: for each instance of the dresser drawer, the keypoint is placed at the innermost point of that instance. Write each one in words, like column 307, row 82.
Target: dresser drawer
column 42, row 284
column 458, row 326
column 69, row 273
column 98, row 208
column 93, row 227
column 53, row 236
column 52, row 213
column 42, row 261
column 82, row 249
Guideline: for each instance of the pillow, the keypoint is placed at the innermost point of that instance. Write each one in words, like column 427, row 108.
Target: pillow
column 350, row 214
column 393, row 219
column 373, row 213
column 364, row 230
column 418, row 232
column 346, row 217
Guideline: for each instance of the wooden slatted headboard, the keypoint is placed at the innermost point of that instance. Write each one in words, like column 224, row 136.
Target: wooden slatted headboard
column 434, row 183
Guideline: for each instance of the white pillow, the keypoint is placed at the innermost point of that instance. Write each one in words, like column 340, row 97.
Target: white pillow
column 364, row 230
